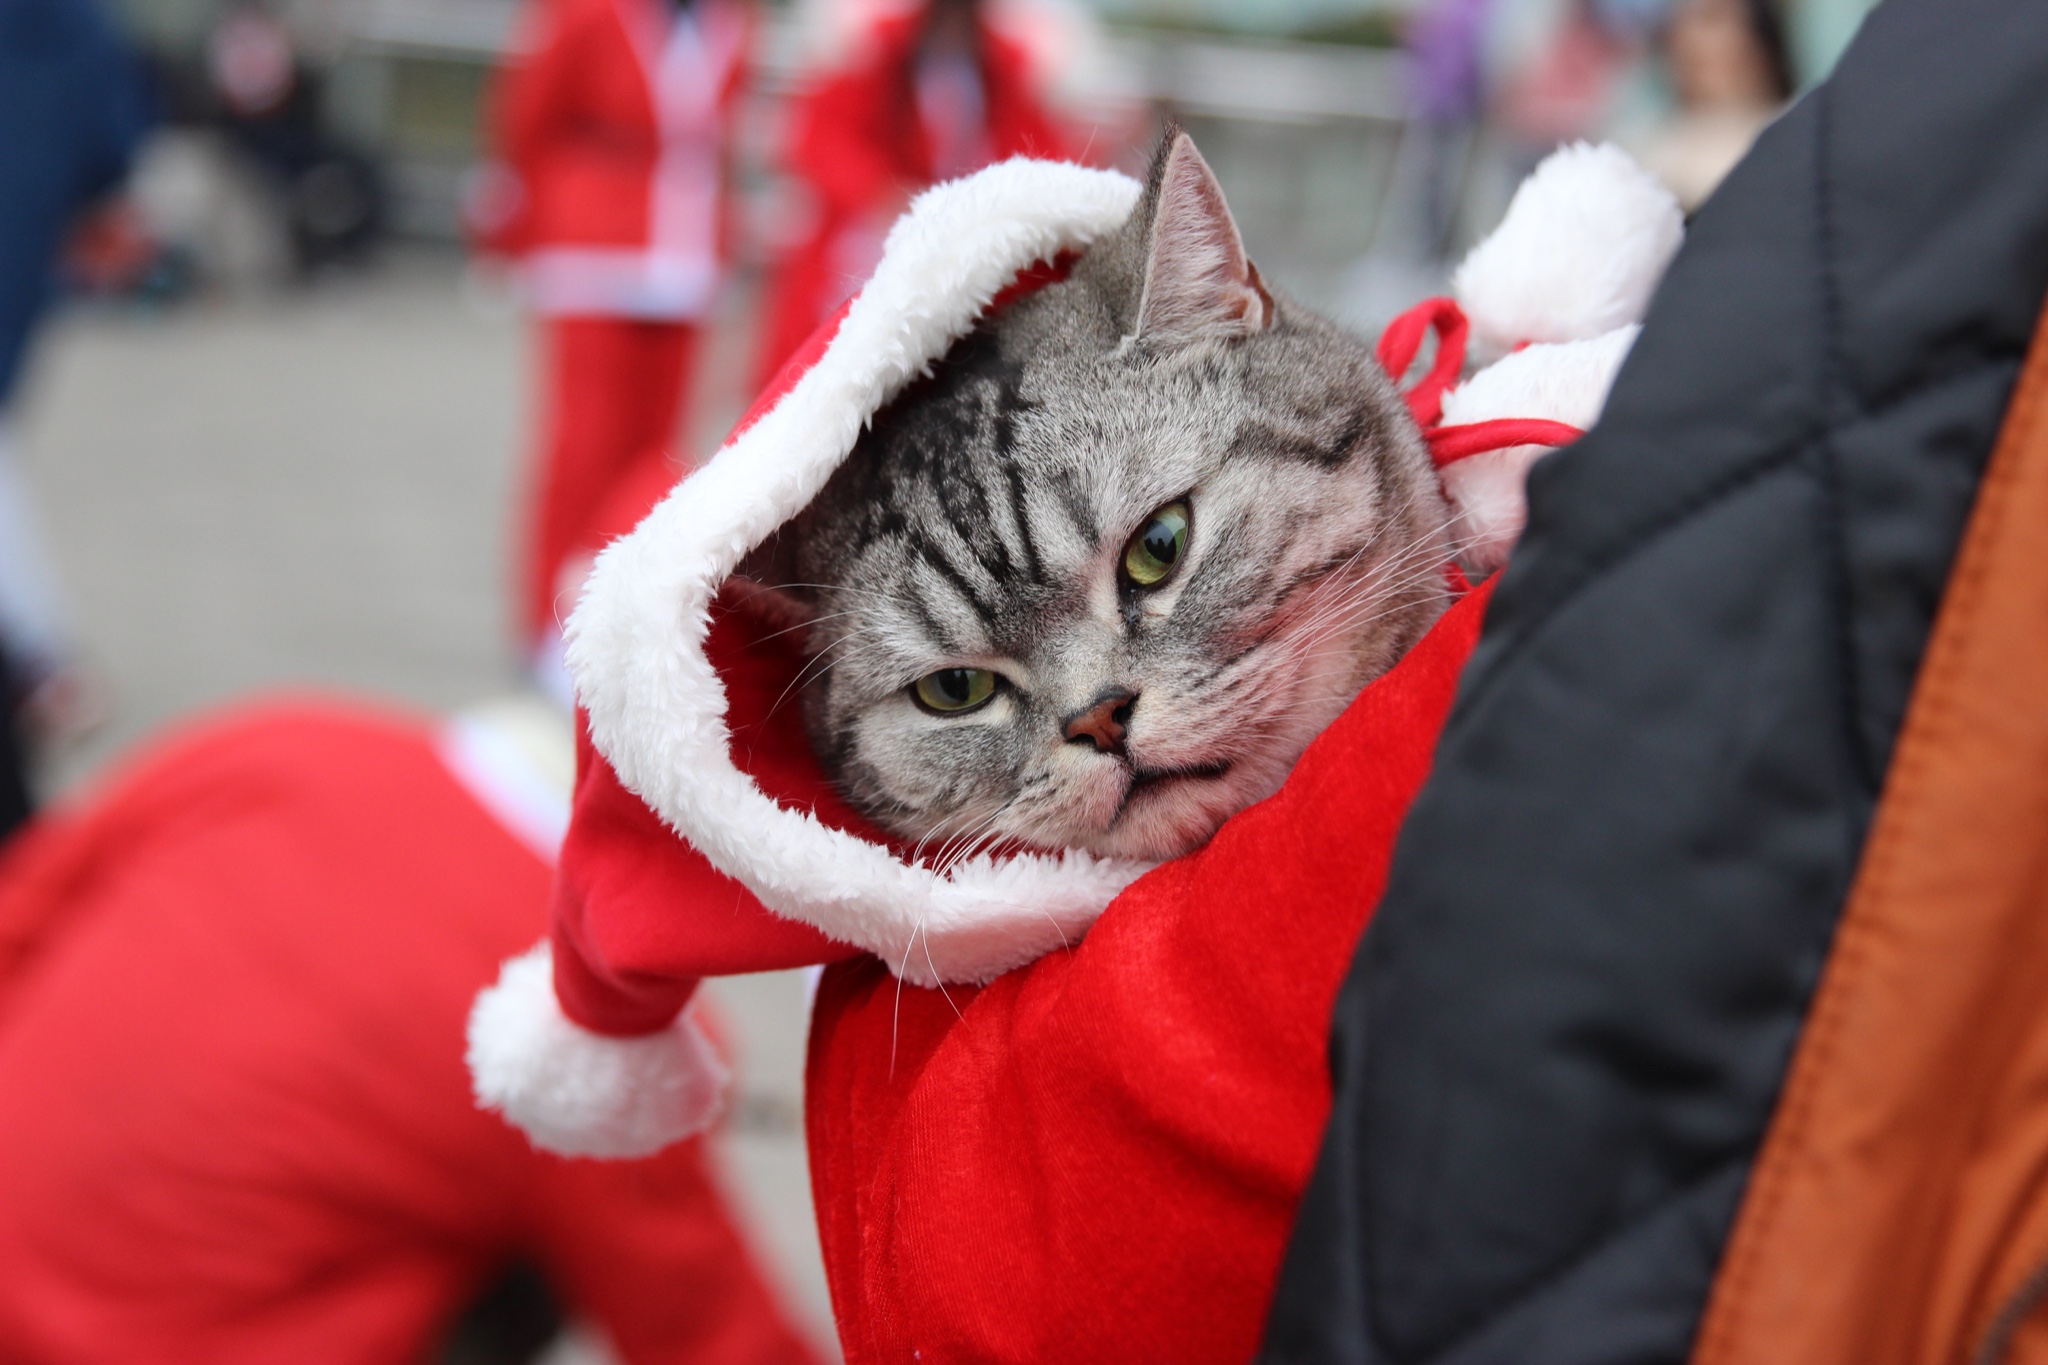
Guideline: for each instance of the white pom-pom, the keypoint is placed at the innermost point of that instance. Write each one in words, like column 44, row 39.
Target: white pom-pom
column 579, row 1093
column 1566, row 382
column 1585, row 240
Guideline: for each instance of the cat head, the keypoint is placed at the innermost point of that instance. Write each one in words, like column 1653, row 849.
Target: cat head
column 1098, row 580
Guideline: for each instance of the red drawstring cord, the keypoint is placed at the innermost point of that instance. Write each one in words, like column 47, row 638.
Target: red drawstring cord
column 1400, row 343
column 1448, row 445
column 1403, row 338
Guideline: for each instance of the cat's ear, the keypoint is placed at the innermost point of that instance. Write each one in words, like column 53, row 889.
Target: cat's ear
column 1199, row 284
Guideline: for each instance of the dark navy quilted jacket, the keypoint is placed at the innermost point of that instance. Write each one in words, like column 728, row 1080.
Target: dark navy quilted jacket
column 1565, row 1031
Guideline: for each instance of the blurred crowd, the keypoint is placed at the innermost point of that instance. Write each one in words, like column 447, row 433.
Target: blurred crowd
column 613, row 147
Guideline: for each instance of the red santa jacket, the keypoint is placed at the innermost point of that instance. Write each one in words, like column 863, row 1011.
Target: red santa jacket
column 611, row 123
column 860, row 141
column 234, row 1124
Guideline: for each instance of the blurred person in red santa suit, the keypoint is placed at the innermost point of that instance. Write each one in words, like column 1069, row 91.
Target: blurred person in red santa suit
column 234, row 1119
column 907, row 95
column 612, row 124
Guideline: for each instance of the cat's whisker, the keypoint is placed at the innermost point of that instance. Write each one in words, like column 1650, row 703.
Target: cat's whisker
column 813, row 668
column 936, row 979
column 1429, row 552
column 951, row 837
column 948, row 831
column 956, row 853
column 806, row 625
column 1376, row 589
column 917, row 849
column 963, row 846
column 1305, row 644
column 1337, row 613
column 1343, row 603
column 846, row 590
column 942, row 830
column 1431, row 548
column 982, row 844
column 1379, row 589
column 896, row 1012
column 1066, row 944
column 1357, row 616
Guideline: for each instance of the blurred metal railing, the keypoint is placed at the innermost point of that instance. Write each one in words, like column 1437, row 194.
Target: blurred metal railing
column 1266, row 80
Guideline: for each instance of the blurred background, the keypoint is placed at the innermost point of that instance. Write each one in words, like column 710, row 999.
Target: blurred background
column 281, row 427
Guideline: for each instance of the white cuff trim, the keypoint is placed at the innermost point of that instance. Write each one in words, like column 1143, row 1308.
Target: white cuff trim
column 578, row 1093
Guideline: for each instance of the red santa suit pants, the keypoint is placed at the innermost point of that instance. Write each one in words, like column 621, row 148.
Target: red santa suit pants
column 614, row 395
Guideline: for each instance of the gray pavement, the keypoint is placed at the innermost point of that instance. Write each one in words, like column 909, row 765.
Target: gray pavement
column 316, row 490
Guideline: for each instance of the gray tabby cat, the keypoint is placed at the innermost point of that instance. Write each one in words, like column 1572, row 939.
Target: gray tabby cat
column 1099, row 579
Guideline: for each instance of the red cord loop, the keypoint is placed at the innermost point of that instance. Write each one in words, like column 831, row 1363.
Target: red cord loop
column 1399, row 345
column 1402, row 339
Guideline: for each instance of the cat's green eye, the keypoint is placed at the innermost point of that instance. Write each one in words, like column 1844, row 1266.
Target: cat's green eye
column 1158, row 546
column 953, row 690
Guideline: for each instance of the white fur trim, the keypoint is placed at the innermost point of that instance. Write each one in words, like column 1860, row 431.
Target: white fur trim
column 636, row 640
column 1585, row 240
column 1565, row 382
column 579, row 1093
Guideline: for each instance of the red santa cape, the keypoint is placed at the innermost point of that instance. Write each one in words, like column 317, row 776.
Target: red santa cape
column 1074, row 1124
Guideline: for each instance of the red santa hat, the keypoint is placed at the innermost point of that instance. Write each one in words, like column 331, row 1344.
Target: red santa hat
column 690, row 854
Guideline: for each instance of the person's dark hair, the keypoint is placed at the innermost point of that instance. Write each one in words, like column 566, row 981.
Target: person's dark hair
column 1767, row 26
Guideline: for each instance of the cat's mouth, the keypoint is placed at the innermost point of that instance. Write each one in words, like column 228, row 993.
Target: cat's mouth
column 1146, row 779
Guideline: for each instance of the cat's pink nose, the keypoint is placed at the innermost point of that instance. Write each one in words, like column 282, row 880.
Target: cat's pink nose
column 1104, row 723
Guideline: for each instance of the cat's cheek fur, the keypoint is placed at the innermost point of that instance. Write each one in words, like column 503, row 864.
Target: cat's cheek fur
column 957, row 774
column 1074, row 795
column 1164, row 822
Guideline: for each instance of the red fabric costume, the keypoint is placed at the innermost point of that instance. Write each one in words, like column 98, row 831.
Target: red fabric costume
column 1096, row 1157
column 1096, row 1154
column 612, row 129
column 234, row 1121
column 861, row 141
